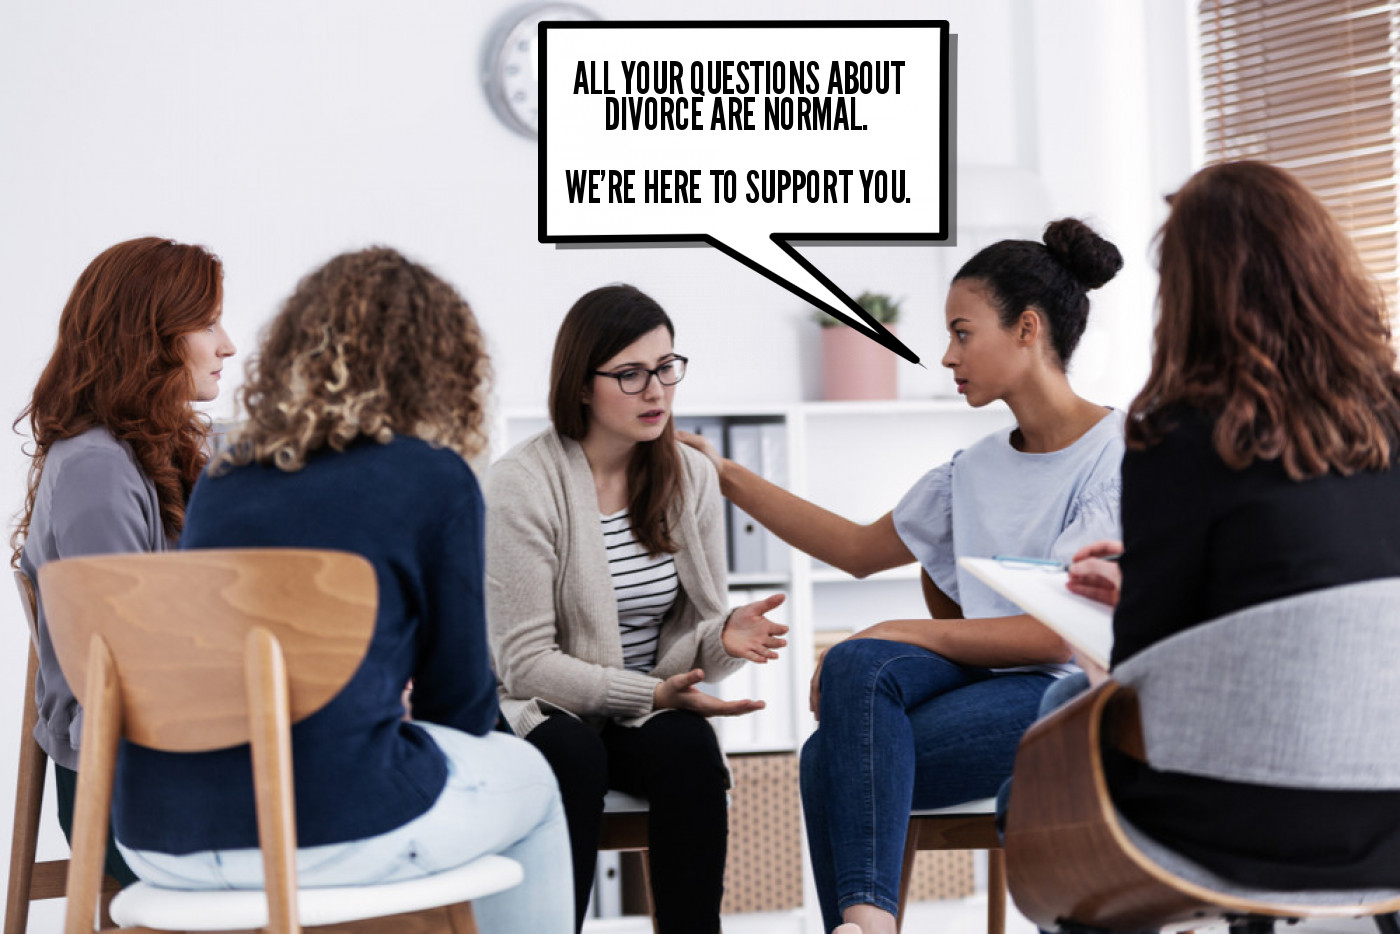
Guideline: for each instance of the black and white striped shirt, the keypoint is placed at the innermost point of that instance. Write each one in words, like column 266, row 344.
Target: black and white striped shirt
column 646, row 588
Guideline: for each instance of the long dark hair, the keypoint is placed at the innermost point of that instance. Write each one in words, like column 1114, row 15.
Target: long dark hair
column 1051, row 278
column 600, row 325
column 119, row 364
column 1268, row 321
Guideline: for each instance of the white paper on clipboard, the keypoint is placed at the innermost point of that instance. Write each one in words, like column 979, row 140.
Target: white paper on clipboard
column 1085, row 624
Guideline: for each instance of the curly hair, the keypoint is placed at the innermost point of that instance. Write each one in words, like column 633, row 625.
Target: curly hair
column 600, row 325
column 119, row 364
column 368, row 346
column 1269, row 322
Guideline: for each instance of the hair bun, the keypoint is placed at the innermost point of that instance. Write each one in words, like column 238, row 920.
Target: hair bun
column 1089, row 258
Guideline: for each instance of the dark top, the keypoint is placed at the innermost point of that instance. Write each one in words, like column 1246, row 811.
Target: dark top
column 416, row 513
column 1202, row 540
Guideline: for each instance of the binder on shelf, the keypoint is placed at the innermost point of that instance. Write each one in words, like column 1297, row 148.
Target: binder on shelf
column 761, row 447
column 607, row 886
column 712, row 429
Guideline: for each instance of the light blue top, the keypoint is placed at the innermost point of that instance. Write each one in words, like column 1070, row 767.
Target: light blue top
column 992, row 499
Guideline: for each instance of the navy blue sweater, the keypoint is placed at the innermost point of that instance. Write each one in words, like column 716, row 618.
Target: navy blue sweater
column 417, row 514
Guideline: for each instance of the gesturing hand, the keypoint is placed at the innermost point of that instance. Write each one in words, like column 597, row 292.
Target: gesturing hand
column 751, row 635
column 678, row 693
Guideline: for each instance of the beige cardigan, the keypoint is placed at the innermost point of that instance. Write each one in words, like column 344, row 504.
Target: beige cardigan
column 550, row 606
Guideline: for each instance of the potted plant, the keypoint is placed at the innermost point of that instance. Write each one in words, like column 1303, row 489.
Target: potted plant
column 853, row 365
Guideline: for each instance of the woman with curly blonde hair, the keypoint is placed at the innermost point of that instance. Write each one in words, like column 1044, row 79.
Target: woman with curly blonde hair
column 364, row 402
column 117, row 445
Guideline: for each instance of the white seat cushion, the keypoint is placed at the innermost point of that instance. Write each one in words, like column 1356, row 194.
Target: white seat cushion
column 620, row 802
column 982, row 807
column 227, row 909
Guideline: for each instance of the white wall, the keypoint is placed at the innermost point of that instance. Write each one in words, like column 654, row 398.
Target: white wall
column 279, row 132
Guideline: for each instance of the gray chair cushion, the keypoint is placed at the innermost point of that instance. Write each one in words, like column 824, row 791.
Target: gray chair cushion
column 1302, row 692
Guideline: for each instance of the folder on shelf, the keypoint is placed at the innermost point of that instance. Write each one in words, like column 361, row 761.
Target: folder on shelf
column 761, row 447
column 1085, row 624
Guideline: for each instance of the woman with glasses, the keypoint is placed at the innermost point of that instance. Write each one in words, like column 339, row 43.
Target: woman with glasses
column 607, row 603
column 927, row 713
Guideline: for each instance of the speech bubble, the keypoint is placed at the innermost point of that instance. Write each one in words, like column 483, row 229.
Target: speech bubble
column 749, row 136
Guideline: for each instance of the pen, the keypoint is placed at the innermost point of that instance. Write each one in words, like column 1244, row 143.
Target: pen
column 1047, row 562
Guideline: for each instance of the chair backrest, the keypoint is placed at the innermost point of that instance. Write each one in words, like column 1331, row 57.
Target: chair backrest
column 198, row 650
column 176, row 624
column 1302, row 692
column 29, row 600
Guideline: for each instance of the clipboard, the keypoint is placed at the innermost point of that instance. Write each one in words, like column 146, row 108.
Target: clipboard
column 1085, row 624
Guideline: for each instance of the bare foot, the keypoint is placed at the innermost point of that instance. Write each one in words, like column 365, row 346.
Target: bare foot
column 847, row 928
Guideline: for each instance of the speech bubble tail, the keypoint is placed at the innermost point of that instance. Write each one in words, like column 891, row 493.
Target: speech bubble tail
column 790, row 269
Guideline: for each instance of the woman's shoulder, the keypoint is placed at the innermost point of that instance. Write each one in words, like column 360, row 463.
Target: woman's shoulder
column 698, row 469
column 1182, row 429
column 95, row 449
column 537, row 455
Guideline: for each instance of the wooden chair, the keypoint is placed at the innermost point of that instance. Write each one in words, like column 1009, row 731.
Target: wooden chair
column 1300, row 692
column 199, row 650
column 32, row 881
column 970, row 826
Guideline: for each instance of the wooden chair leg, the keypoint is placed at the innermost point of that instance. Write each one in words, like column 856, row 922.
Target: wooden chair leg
column 29, row 797
column 646, row 886
column 906, row 872
column 996, row 892
column 462, row 918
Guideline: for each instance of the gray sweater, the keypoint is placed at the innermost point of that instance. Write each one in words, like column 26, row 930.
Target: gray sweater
column 550, row 606
column 93, row 499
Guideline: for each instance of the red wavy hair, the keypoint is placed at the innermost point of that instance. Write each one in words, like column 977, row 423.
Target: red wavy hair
column 119, row 364
column 1268, row 321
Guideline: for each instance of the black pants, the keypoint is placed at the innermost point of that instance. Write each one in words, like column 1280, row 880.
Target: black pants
column 673, row 760
column 65, row 782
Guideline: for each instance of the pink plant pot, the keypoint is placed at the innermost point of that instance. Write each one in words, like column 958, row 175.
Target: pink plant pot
column 855, row 367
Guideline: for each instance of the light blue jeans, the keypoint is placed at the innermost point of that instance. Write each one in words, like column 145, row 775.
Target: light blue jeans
column 900, row 728
column 1060, row 693
column 500, row 797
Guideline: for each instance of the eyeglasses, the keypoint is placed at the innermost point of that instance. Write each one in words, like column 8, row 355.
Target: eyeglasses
column 636, row 379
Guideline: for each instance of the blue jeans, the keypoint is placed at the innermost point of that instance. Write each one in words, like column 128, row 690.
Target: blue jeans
column 901, row 727
column 1060, row 693
column 500, row 797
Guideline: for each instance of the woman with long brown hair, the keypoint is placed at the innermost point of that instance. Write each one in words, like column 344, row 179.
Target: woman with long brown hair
column 364, row 402
column 606, row 590
column 117, row 445
column 1260, row 465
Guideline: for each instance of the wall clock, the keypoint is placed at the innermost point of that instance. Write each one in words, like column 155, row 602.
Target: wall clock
column 511, row 66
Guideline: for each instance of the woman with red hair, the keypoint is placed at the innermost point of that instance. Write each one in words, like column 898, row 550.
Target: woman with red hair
column 117, row 444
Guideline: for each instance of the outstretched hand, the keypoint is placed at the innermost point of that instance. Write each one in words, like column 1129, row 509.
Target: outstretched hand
column 751, row 635
column 678, row 693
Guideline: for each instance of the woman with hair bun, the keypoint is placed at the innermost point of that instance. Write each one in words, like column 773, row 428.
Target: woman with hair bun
column 117, row 445
column 925, row 713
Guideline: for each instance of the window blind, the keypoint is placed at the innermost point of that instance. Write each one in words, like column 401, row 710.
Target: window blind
column 1310, row 85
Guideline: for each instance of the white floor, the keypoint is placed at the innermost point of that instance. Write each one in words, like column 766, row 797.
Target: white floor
column 964, row 916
